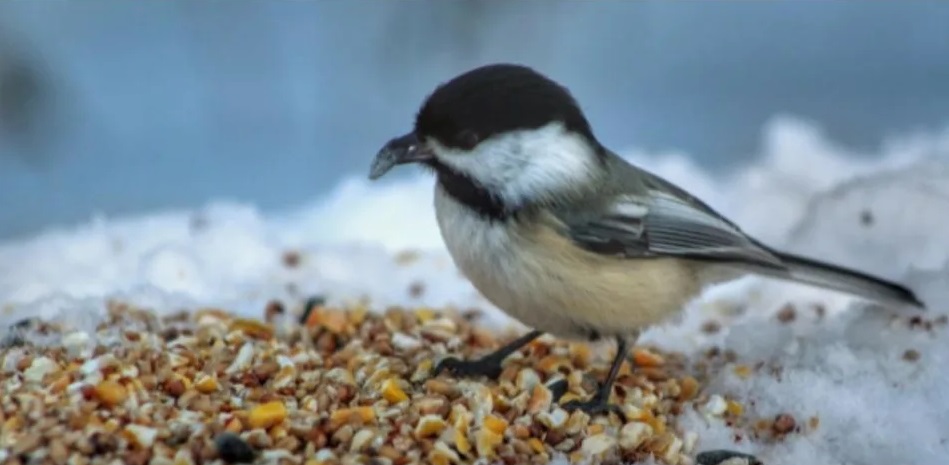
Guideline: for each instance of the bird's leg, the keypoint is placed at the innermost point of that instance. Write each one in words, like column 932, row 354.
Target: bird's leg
column 489, row 365
column 600, row 403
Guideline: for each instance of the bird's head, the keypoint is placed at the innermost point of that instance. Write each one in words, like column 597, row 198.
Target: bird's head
column 507, row 129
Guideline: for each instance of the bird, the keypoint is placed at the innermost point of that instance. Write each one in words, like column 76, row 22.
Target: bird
column 567, row 237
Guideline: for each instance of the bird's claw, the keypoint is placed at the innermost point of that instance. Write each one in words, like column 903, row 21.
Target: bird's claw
column 595, row 406
column 558, row 389
column 487, row 367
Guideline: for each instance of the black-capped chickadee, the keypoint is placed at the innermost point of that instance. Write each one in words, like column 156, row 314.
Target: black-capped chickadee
column 564, row 235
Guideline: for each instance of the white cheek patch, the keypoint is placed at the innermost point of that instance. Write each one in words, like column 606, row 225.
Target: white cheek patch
column 525, row 165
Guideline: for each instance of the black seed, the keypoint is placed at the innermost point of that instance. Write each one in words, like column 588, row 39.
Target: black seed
column 715, row 457
column 232, row 449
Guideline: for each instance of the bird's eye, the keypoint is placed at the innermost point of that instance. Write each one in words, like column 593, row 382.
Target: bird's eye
column 467, row 139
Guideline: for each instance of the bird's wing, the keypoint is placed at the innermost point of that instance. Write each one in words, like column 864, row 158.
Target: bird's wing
column 662, row 220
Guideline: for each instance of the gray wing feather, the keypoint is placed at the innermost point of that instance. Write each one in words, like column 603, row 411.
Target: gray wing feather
column 648, row 216
column 660, row 223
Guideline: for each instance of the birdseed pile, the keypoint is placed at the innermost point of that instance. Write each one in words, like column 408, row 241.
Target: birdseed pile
column 337, row 386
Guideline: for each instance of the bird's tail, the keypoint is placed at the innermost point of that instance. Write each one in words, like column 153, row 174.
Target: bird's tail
column 810, row 271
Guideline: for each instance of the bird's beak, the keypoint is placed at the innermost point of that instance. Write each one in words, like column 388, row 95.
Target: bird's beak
column 398, row 151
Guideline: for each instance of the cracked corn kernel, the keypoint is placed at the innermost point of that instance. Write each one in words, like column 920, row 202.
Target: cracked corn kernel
column 440, row 386
column 424, row 315
column 813, row 422
column 540, row 399
column 358, row 315
column 762, row 425
column 552, row 363
column 568, row 397
column 39, row 368
column 526, row 379
column 325, row 456
column 659, row 444
column 141, row 436
column 734, row 408
column 278, row 432
column 12, row 424
column 576, row 422
column 554, row 419
column 346, row 415
column 438, row 457
column 334, row 321
column 716, row 405
column 234, row 426
column 461, row 418
column 267, row 415
column 689, row 441
column 429, row 426
column 183, row 457
column 645, row 358
column 253, row 328
column 581, row 355
column 672, row 450
column 429, row 405
column 206, row 384
column 688, row 388
column 422, row 371
column 495, row 424
column 392, row 392
column 461, row 442
column 110, row 393
column 597, row 444
column 442, row 454
column 486, row 441
column 537, row 445
column 59, row 385
column 648, row 418
column 742, row 371
column 633, row 435
column 361, row 440
column 110, row 426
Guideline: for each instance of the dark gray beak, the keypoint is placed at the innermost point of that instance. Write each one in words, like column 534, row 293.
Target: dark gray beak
column 398, row 151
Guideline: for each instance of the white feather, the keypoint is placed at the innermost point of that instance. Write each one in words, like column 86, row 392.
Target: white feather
column 629, row 206
column 526, row 164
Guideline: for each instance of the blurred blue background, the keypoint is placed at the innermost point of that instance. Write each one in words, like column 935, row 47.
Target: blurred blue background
column 121, row 107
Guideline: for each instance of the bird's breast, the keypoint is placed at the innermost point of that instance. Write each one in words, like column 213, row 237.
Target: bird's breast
column 540, row 278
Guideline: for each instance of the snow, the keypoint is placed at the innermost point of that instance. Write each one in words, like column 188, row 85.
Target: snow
column 848, row 369
column 806, row 194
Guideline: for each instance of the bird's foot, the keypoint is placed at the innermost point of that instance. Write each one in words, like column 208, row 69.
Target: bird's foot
column 489, row 367
column 558, row 389
column 596, row 406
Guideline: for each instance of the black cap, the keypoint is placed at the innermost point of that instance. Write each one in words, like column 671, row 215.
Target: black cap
column 495, row 99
